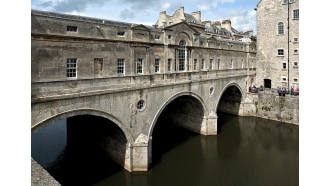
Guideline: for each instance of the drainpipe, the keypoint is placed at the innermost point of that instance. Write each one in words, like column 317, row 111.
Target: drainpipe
column 288, row 44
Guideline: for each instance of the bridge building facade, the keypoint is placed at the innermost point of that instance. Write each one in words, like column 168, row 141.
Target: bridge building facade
column 132, row 76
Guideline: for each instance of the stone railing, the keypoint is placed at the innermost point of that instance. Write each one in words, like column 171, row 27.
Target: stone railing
column 44, row 91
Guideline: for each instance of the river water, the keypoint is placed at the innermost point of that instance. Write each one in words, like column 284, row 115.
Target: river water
column 246, row 151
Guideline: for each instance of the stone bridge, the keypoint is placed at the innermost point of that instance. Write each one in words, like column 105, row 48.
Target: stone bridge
column 114, row 82
column 133, row 105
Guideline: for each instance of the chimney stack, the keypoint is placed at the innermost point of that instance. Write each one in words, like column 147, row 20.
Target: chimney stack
column 227, row 25
column 197, row 15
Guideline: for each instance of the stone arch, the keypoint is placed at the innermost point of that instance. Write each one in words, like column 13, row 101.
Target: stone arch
column 225, row 88
column 183, row 36
column 169, row 100
column 78, row 112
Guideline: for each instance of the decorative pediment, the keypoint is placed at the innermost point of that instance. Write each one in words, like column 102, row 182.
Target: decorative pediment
column 183, row 26
column 140, row 27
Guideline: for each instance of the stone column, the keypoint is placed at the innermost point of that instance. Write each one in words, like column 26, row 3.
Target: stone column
column 140, row 154
column 209, row 124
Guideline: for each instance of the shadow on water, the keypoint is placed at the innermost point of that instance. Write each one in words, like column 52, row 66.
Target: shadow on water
column 81, row 161
column 167, row 136
column 82, row 166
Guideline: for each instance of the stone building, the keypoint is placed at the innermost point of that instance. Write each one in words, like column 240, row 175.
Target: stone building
column 69, row 47
column 278, row 43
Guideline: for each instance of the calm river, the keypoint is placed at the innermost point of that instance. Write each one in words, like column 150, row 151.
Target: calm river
column 246, row 151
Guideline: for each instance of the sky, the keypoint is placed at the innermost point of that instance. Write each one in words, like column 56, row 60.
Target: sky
column 240, row 12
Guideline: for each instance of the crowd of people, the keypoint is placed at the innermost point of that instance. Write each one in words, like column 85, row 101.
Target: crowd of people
column 282, row 91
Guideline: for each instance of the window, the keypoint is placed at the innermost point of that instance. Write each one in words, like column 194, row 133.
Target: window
column 284, row 66
column 175, row 65
column 295, row 40
column 120, row 33
column 219, row 63
column 195, row 64
column 71, row 28
column 120, row 66
column 231, row 64
column 283, row 79
column 140, row 105
column 188, row 58
column 203, row 64
column 295, row 80
column 280, row 52
column 71, row 68
column 295, row 64
column 296, row 14
column 182, row 50
column 169, row 61
column 157, row 65
column 280, row 28
column 139, row 66
column 157, row 37
column 98, row 67
column 211, row 64
column 169, row 36
column 295, row 51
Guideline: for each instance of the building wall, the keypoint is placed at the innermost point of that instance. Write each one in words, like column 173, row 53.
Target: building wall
column 269, row 63
column 97, row 47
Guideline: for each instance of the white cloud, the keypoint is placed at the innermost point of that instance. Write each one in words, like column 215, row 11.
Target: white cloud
column 202, row 7
column 165, row 6
column 244, row 21
column 148, row 11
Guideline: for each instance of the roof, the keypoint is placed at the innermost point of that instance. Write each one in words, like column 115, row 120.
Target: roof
column 80, row 18
column 191, row 19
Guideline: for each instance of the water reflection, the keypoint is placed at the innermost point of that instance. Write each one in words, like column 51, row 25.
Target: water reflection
column 246, row 151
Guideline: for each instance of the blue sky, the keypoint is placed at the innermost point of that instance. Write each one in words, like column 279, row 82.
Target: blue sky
column 240, row 12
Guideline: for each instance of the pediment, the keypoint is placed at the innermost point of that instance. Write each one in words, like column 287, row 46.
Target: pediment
column 140, row 27
column 182, row 26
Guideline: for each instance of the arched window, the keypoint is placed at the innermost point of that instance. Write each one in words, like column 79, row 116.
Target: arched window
column 182, row 55
column 280, row 28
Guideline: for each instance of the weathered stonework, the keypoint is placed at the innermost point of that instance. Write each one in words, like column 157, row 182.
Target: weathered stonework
column 40, row 177
column 274, row 70
column 274, row 107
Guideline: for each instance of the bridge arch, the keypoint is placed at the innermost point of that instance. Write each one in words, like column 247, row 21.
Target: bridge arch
column 85, row 111
column 195, row 99
column 116, row 143
column 230, row 99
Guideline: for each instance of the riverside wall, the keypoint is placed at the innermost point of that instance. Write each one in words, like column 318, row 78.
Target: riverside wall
column 269, row 105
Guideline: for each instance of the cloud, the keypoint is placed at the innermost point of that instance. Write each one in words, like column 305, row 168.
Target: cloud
column 68, row 5
column 147, row 11
column 243, row 21
column 202, row 7
column 126, row 14
column 165, row 6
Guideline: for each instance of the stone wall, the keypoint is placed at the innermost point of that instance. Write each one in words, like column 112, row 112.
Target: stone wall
column 269, row 63
column 272, row 106
column 40, row 177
